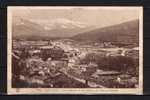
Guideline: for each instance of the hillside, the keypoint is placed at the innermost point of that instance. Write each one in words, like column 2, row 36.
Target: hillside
column 127, row 32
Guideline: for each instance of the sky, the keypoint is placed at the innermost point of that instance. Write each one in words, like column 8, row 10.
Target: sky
column 96, row 16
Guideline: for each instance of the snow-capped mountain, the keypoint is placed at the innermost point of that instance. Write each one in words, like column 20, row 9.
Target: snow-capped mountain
column 59, row 27
column 61, row 23
column 66, row 23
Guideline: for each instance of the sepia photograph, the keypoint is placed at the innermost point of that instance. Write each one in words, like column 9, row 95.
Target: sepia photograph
column 75, row 50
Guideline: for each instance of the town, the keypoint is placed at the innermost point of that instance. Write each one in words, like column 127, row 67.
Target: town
column 65, row 63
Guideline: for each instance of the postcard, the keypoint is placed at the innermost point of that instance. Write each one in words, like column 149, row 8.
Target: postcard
column 75, row 50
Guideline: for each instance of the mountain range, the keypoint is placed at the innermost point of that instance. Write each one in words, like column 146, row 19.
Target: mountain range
column 60, row 27
column 127, row 32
